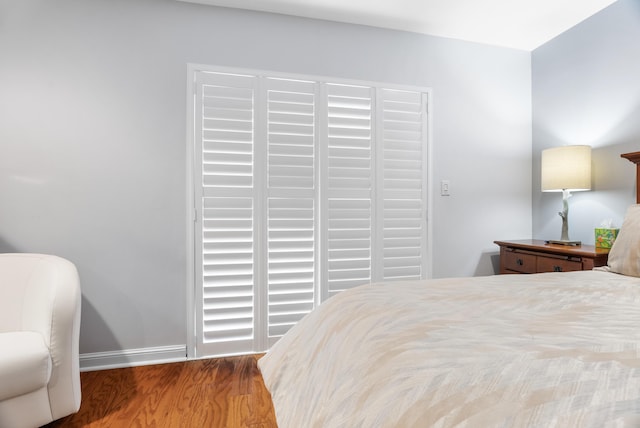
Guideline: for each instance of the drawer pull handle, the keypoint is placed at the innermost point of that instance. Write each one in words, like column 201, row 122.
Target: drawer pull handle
column 519, row 262
column 557, row 268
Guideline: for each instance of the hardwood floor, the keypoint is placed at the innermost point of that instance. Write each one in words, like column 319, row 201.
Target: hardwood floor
column 222, row 392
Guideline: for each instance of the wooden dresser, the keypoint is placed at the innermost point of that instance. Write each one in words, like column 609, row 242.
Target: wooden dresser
column 535, row 256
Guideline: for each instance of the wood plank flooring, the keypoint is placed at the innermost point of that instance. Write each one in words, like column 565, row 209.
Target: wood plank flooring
column 222, row 392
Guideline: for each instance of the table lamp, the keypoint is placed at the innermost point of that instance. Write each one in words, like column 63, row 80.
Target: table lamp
column 566, row 169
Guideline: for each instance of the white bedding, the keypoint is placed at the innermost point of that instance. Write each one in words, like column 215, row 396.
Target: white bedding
column 545, row 350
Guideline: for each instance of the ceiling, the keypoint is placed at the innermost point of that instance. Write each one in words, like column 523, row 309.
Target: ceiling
column 520, row 24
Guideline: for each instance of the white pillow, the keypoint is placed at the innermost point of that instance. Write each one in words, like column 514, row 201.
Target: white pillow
column 624, row 257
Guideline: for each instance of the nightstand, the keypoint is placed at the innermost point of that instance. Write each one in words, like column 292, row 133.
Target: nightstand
column 536, row 256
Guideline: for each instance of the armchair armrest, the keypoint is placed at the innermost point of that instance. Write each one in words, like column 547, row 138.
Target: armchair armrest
column 51, row 306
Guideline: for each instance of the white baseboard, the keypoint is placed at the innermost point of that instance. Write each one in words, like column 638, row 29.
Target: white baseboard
column 132, row 357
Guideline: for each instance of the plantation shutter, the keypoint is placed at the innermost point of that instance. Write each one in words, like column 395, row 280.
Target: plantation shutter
column 403, row 183
column 291, row 205
column 226, row 195
column 349, row 185
column 302, row 189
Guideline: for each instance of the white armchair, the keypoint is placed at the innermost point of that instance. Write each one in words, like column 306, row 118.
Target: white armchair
column 39, row 334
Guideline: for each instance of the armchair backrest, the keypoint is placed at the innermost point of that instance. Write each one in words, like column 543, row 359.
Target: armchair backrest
column 29, row 284
column 16, row 273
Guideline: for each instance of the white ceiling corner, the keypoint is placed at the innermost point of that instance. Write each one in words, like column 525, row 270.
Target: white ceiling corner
column 519, row 24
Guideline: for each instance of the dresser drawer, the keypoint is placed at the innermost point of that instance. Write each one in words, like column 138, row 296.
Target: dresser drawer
column 552, row 264
column 519, row 262
column 533, row 256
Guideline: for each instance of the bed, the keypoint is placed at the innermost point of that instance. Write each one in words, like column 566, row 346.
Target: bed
column 542, row 350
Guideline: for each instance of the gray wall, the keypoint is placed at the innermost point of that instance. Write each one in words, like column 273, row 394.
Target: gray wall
column 93, row 140
column 586, row 90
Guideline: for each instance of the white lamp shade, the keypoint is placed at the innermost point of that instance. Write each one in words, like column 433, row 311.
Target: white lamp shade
column 566, row 168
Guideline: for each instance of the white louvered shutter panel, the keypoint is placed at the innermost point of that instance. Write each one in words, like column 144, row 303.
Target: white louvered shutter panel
column 291, row 202
column 404, row 183
column 226, row 263
column 349, row 182
column 302, row 189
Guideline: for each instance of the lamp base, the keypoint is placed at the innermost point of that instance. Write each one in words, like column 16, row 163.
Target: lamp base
column 563, row 242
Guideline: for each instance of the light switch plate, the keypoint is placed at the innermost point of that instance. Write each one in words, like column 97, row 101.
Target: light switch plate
column 445, row 188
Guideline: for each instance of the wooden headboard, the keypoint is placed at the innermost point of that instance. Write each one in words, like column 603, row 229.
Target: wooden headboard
column 635, row 158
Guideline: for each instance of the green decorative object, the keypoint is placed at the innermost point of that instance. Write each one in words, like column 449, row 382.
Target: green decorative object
column 605, row 237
